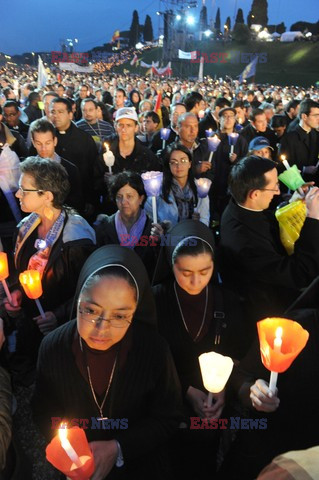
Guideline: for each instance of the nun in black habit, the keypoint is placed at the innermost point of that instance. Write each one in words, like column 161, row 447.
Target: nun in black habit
column 111, row 363
column 196, row 315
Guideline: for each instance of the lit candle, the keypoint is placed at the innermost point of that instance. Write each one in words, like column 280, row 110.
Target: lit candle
column 32, row 286
column 209, row 133
column 201, row 114
column 285, row 161
column 213, row 143
column 272, row 355
column 232, row 140
column 165, row 133
column 108, row 157
column 277, row 349
column 215, row 370
column 153, row 184
column 67, row 447
column 4, row 273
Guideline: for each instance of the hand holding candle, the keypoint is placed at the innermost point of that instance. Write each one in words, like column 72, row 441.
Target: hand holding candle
column 213, row 143
column 108, row 157
column 215, row 369
column 4, row 273
column 32, row 286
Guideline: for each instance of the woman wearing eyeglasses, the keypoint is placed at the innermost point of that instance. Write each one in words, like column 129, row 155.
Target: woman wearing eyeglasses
column 178, row 200
column 110, row 367
column 53, row 240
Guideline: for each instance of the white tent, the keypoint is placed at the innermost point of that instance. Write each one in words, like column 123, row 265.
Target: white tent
column 291, row 36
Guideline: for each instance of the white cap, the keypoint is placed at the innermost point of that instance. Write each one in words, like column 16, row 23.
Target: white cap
column 126, row 112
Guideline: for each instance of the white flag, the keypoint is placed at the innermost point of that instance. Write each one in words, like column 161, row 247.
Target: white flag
column 42, row 74
column 186, row 55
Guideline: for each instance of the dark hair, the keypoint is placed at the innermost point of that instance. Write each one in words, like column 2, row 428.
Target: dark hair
column 114, row 271
column 193, row 247
column 119, row 89
column 255, row 112
column 247, row 175
column 153, row 115
column 65, row 101
column 48, row 176
column 278, row 121
column 87, row 100
column 42, row 125
column 239, row 104
column 292, row 104
column 105, row 112
column 167, row 174
column 191, row 99
column 222, row 102
column 6, row 91
column 132, row 179
column 33, row 97
column 306, row 106
column 11, row 103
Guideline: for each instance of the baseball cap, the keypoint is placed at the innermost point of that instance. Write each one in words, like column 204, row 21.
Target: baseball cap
column 258, row 143
column 126, row 112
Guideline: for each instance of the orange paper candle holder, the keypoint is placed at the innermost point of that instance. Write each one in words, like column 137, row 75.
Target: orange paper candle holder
column 4, row 273
column 294, row 339
column 4, row 269
column 31, row 283
column 58, row 457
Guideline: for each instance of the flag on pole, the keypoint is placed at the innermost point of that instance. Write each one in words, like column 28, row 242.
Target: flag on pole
column 42, row 74
column 134, row 60
column 187, row 55
column 116, row 36
column 249, row 71
column 157, row 108
column 201, row 70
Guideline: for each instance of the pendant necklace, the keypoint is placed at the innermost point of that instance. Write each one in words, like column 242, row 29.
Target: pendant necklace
column 98, row 132
column 99, row 406
column 181, row 312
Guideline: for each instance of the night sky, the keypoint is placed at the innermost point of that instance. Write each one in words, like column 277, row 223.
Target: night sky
column 37, row 25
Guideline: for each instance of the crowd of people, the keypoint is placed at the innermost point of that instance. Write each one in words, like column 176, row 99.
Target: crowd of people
column 132, row 295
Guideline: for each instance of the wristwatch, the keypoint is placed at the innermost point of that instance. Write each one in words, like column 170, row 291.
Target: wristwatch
column 119, row 460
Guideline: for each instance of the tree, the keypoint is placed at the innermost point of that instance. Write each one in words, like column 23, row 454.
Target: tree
column 240, row 16
column 241, row 33
column 203, row 25
column 228, row 24
column 134, row 29
column 258, row 13
column 148, row 29
column 217, row 22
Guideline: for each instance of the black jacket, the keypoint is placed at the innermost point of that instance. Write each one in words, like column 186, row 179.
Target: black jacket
column 250, row 132
column 142, row 159
column 301, row 149
column 79, row 148
column 205, row 124
column 256, row 265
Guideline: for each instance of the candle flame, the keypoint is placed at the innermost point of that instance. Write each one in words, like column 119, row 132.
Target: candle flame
column 282, row 157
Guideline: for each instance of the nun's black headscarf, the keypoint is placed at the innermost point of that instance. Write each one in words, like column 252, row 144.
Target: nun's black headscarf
column 192, row 229
column 115, row 255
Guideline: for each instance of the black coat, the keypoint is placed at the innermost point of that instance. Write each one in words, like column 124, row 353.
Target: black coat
column 250, row 132
column 142, row 159
column 205, row 124
column 256, row 265
column 157, row 142
column 79, row 148
column 301, row 149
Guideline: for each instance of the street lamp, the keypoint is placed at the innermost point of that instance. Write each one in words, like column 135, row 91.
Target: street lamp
column 190, row 20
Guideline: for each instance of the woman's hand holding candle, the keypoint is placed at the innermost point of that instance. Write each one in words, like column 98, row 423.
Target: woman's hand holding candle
column 262, row 398
column 105, row 454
